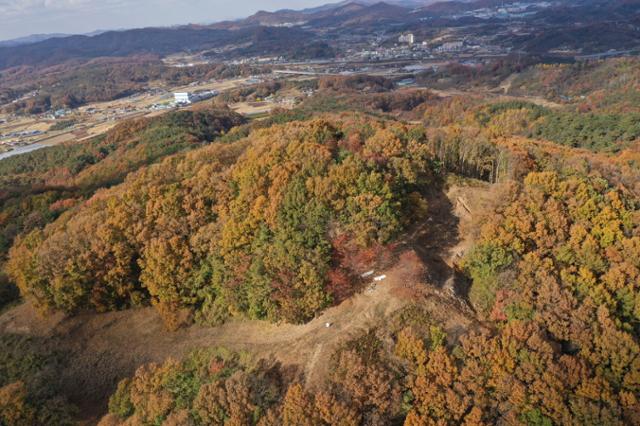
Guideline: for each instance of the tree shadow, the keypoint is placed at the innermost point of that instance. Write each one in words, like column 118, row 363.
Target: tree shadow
column 433, row 240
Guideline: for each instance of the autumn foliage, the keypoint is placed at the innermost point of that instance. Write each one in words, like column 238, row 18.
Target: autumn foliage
column 278, row 219
column 238, row 229
column 560, row 264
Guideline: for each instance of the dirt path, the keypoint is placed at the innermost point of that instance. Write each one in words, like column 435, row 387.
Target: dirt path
column 104, row 348
column 505, row 86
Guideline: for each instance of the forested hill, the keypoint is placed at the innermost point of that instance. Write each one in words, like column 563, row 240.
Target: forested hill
column 277, row 221
column 210, row 236
column 469, row 258
column 154, row 41
column 39, row 186
column 114, row 43
column 108, row 158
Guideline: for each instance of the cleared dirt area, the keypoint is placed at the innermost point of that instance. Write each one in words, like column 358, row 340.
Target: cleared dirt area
column 253, row 108
column 220, row 86
column 101, row 349
column 498, row 94
column 104, row 348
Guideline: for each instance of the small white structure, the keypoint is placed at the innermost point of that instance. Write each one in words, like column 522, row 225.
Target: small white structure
column 328, row 325
column 367, row 274
column 380, row 278
column 407, row 38
column 183, row 98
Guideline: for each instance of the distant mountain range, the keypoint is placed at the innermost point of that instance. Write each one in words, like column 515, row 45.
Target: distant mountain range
column 340, row 14
column 289, row 32
column 282, row 14
column 35, row 38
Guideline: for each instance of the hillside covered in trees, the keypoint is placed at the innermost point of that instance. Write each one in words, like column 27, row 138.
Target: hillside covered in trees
column 522, row 309
column 222, row 231
column 36, row 188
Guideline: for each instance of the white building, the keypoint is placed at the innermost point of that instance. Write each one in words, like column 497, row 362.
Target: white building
column 407, row 38
column 183, row 98
column 186, row 98
column 451, row 46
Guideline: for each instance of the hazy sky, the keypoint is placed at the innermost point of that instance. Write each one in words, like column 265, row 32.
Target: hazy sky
column 23, row 17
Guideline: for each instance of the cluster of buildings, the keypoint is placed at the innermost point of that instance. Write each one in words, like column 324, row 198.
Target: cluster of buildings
column 417, row 50
column 260, row 60
column 22, row 134
column 284, row 24
column 506, row 11
column 410, row 48
column 9, row 141
column 59, row 113
column 452, row 46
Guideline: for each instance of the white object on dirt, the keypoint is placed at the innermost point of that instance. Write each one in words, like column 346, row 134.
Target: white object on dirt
column 380, row 278
column 368, row 274
column 328, row 325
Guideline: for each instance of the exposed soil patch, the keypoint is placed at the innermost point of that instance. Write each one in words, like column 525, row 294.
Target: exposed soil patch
column 104, row 348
